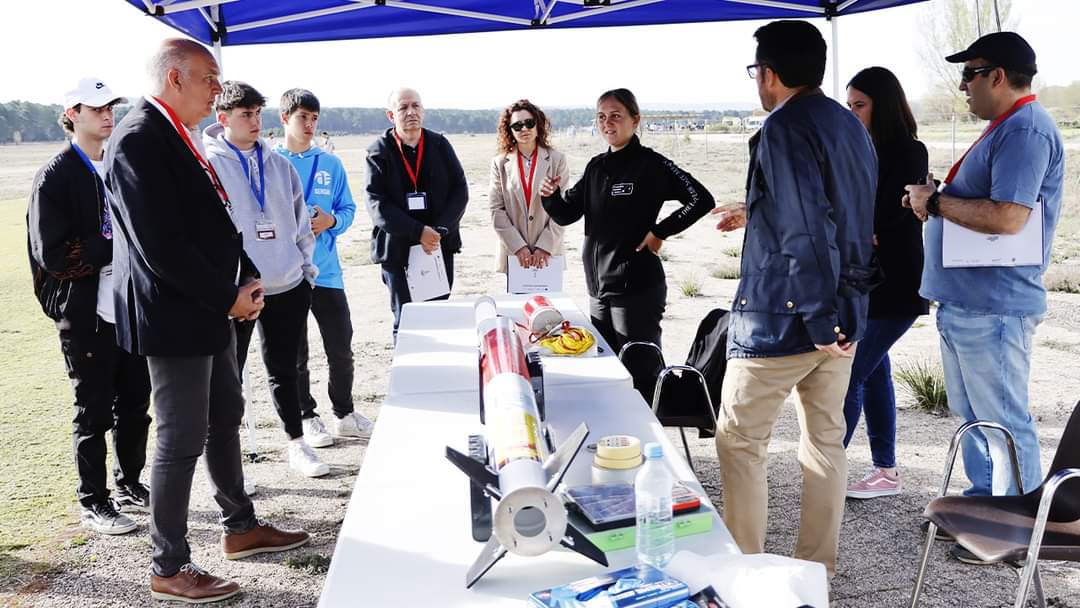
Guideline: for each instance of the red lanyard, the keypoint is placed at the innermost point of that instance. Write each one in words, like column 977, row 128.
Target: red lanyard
column 182, row 130
column 1023, row 101
column 527, row 185
column 413, row 175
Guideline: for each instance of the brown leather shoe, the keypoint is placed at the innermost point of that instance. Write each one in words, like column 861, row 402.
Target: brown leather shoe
column 263, row 538
column 193, row 585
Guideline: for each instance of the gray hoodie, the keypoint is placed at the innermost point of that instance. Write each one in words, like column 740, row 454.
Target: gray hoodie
column 285, row 260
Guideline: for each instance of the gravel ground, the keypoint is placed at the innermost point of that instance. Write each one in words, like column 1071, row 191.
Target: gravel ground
column 880, row 538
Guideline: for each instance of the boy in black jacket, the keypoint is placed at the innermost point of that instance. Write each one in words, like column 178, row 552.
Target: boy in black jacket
column 70, row 244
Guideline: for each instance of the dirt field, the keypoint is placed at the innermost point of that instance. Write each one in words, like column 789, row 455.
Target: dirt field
column 50, row 562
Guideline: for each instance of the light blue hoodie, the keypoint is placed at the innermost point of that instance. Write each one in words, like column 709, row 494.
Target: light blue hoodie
column 329, row 189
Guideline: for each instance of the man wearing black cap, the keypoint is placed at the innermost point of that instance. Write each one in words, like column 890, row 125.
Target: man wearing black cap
column 1008, row 183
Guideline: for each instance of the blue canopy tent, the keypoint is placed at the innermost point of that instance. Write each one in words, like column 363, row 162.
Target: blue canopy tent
column 219, row 23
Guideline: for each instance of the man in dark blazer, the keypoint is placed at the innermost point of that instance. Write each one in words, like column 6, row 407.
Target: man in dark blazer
column 416, row 195
column 180, row 275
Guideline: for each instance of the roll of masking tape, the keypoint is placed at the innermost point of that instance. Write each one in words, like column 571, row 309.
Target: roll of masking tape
column 618, row 447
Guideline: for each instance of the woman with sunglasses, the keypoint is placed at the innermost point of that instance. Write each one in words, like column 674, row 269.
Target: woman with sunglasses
column 878, row 100
column 524, row 228
column 620, row 196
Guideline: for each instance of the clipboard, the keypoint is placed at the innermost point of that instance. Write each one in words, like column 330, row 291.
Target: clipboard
column 964, row 248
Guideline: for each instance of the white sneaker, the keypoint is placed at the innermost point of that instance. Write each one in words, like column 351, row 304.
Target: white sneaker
column 303, row 460
column 315, row 433
column 249, row 487
column 353, row 425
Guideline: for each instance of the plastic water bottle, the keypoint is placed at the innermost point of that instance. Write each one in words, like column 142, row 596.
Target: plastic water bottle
column 655, row 534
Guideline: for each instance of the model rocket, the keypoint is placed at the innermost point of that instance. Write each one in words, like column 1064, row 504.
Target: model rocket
column 514, row 464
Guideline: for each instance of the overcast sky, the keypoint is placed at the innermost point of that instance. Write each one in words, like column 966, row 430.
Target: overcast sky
column 60, row 41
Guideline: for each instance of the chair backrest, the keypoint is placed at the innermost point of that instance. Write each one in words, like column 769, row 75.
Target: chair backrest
column 684, row 401
column 1067, row 500
column 708, row 353
column 644, row 361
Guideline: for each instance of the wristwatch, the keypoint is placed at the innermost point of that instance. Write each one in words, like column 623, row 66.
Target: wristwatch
column 933, row 205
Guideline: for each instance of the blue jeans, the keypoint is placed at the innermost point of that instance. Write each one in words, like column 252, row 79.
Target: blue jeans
column 987, row 360
column 871, row 389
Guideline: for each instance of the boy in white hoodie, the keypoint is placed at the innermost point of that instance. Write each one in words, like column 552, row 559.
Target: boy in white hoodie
column 268, row 208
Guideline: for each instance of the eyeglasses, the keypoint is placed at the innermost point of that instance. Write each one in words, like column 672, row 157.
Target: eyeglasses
column 528, row 123
column 969, row 74
column 752, row 69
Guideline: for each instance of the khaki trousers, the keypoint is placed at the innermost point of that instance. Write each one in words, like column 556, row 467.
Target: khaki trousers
column 754, row 391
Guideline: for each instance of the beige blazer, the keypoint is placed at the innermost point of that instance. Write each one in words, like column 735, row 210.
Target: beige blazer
column 516, row 225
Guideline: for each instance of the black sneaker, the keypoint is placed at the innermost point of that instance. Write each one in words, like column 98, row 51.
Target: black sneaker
column 134, row 497
column 103, row 518
column 939, row 535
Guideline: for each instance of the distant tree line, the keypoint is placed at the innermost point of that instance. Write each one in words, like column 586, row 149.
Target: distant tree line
column 23, row 121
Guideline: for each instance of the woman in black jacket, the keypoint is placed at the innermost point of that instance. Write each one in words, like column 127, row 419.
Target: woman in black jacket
column 620, row 196
column 876, row 97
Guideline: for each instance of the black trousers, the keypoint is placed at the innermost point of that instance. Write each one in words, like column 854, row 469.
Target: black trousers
column 331, row 310
column 281, row 326
column 630, row 318
column 112, row 391
column 395, row 280
column 198, row 403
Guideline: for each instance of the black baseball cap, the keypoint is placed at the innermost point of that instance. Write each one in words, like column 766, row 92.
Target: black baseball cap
column 1004, row 49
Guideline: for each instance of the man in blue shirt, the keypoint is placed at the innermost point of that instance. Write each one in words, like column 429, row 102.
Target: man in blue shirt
column 330, row 204
column 987, row 315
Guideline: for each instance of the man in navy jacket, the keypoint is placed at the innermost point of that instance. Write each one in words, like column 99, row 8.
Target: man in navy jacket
column 802, row 300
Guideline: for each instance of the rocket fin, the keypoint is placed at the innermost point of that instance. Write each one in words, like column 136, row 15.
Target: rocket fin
column 477, row 471
column 558, row 463
column 492, row 552
column 576, row 541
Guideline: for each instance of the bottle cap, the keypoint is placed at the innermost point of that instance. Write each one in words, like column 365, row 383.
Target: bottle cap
column 653, row 451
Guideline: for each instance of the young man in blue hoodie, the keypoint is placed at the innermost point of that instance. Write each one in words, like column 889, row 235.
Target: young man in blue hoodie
column 330, row 203
column 268, row 208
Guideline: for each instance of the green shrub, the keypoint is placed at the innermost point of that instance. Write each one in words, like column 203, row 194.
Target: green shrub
column 726, row 271
column 690, row 286
column 925, row 382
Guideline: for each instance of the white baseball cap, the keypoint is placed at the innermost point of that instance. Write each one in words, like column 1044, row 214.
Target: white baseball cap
column 91, row 92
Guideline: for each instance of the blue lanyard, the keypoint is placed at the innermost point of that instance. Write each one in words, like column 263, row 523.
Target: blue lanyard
column 86, row 160
column 260, row 194
column 311, row 180
column 106, row 215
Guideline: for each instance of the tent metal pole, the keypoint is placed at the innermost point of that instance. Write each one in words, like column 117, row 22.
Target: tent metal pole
column 835, row 57
column 179, row 7
column 215, row 15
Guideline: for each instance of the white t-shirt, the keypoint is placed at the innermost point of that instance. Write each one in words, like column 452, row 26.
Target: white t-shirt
column 105, row 305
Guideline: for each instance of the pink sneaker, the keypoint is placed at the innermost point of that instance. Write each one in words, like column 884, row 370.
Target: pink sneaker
column 876, row 483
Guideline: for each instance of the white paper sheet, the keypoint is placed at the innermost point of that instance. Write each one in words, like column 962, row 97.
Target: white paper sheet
column 426, row 274
column 962, row 247
column 534, row 280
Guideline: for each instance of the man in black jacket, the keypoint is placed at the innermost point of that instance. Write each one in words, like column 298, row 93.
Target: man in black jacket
column 181, row 274
column 70, row 243
column 416, row 194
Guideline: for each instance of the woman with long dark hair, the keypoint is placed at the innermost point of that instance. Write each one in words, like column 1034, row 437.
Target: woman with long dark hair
column 878, row 100
column 524, row 228
column 620, row 195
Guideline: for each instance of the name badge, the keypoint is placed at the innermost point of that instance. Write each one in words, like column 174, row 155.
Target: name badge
column 265, row 230
column 623, row 189
column 417, row 201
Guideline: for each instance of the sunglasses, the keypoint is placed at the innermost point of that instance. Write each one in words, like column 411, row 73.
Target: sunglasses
column 969, row 74
column 528, row 123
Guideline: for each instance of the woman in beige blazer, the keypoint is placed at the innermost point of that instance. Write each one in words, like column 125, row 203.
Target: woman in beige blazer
column 525, row 159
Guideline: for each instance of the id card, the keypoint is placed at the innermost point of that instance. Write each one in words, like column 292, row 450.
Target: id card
column 265, row 230
column 417, row 201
